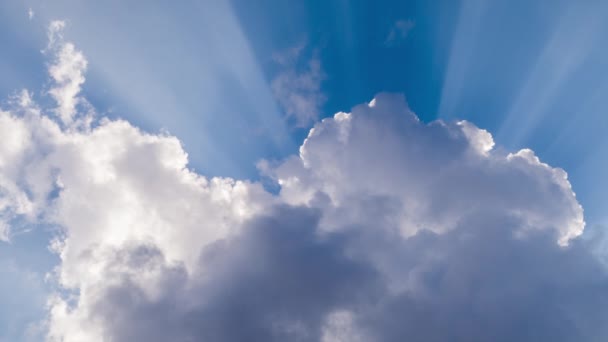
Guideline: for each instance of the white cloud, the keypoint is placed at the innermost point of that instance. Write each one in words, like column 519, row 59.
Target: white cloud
column 437, row 174
column 30, row 13
column 297, row 86
column 385, row 227
column 339, row 327
column 67, row 72
column 111, row 187
column 14, row 201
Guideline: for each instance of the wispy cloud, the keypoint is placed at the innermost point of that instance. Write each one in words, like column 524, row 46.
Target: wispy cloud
column 67, row 72
column 399, row 31
column 297, row 86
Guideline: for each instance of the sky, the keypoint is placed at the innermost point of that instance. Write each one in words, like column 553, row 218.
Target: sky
column 303, row 170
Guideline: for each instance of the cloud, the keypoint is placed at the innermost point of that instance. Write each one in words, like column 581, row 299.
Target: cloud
column 109, row 187
column 67, row 72
column 14, row 201
column 399, row 31
column 274, row 281
column 297, row 86
column 384, row 228
column 437, row 174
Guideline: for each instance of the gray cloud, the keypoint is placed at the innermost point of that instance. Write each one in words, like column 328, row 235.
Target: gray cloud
column 478, row 283
column 275, row 282
column 280, row 281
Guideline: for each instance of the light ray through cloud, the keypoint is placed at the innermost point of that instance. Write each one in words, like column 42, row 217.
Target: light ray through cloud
column 427, row 171
column 226, row 93
column 461, row 55
column 574, row 37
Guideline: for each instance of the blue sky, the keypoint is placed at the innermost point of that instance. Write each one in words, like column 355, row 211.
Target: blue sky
column 529, row 72
column 242, row 81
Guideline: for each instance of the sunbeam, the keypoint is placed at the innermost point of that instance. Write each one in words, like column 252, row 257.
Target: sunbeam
column 574, row 37
column 461, row 55
column 307, row 171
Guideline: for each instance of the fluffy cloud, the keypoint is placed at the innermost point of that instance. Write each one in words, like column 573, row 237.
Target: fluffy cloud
column 435, row 175
column 384, row 228
column 109, row 187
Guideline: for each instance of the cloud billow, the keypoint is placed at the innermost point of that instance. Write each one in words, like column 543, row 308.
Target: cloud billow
column 385, row 228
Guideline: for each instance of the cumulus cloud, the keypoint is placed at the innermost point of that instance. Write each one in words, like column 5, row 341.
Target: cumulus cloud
column 384, row 228
column 297, row 86
column 436, row 174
